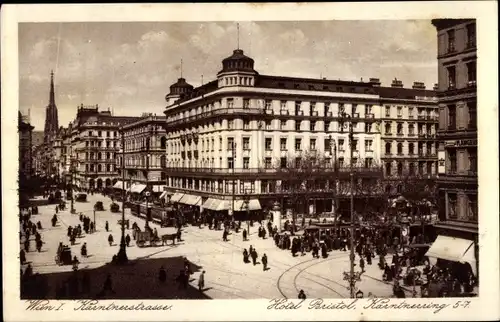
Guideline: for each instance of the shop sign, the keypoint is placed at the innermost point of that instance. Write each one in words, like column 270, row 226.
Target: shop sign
column 461, row 143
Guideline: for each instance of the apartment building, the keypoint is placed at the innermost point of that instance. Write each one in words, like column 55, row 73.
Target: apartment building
column 408, row 125
column 226, row 138
column 95, row 144
column 25, row 130
column 457, row 132
column 145, row 159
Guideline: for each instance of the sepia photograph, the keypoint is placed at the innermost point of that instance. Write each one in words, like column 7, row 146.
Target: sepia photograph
column 248, row 160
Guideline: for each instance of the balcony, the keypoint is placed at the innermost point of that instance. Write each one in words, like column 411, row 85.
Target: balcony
column 388, row 134
column 269, row 112
column 284, row 112
column 216, row 113
column 369, row 115
column 400, row 134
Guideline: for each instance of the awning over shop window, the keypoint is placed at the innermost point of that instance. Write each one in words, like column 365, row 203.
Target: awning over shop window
column 176, row 197
column 453, row 249
column 217, row 204
column 210, row 204
column 118, row 185
column 223, row 205
column 138, row 188
column 164, row 194
column 240, row 205
column 191, row 200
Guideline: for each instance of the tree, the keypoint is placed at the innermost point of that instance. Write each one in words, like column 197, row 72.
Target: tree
column 300, row 175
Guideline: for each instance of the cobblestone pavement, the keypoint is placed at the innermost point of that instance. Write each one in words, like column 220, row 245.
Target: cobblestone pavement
column 227, row 277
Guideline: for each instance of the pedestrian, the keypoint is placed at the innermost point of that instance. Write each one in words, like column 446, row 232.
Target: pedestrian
column 57, row 209
column 264, row 262
column 201, row 282
column 254, row 256
column 302, row 295
column 127, row 240
column 362, row 264
column 224, row 235
column 39, row 245
column 92, row 227
column 27, row 245
column 263, row 233
column 110, row 240
column 245, row 256
column 75, row 263
column 83, row 251
column 244, row 235
column 162, row 275
column 106, row 226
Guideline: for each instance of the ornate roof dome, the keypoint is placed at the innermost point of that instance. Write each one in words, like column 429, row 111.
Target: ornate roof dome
column 238, row 61
column 181, row 87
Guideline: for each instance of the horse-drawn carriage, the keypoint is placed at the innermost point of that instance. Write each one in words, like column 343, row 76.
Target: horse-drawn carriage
column 141, row 237
column 63, row 256
column 99, row 206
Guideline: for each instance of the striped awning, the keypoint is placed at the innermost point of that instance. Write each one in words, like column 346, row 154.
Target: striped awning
column 176, row 197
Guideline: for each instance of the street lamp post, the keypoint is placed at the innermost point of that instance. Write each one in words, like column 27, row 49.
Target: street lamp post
column 352, row 276
column 122, row 253
column 247, row 208
column 233, row 152
column 333, row 146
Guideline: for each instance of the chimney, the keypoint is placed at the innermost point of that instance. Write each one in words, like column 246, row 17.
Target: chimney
column 418, row 85
column 375, row 81
column 397, row 83
column 436, row 87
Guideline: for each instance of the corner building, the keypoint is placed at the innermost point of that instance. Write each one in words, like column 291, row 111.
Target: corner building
column 457, row 133
column 241, row 127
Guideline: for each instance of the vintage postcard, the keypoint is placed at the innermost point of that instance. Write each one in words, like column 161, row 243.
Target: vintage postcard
column 319, row 161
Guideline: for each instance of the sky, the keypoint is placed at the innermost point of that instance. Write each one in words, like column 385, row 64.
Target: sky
column 128, row 67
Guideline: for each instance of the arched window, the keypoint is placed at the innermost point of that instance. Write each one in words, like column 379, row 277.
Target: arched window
column 388, row 168
column 400, row 168
column 387, row 128
column 388, row 148
column 411, row 147
column 163, row 142
column 99, row 156
column 163, row 161
column 400, row 148
column 99, row 168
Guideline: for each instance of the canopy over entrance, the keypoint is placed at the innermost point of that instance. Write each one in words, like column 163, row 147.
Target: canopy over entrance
column 453, row 249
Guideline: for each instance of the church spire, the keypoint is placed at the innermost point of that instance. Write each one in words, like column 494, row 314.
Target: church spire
column 52, row 100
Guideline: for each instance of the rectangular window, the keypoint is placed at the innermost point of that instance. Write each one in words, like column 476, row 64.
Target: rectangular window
column 400, row 111
column 452, row 77
column 368, row 162
column 354, row 161
column 230, row 144
column 246, row 163
column 429, row 167
column 283, row 106
column 269, row 144
column 230, row 163
column 283, row 162
column 99, row 133
column 327, row 143
column 369, row 145
column 452, row 117
column 472, row 115
column 283, row 144
column 230, row 124
column 268, row 125
column 312, row 108
column 267, row 163
column 387, row 111
column 451, row 41
column 220, row 144
column 268, row 104
column 313, row 126
column 452, row 156
column 327, row 126
column 368, row 109
column 312, row 144
column 246, row 103
column 452, row 205
column 471, row 35
column 471, row 73
column 298, row 144
column 472, row 211
column 246, row 143
column 230, row 103
column 246, row 125
column 297, row 125
column 341, row 162
column 298, row 162
column 472, row 160
column 213, row 144
column 282, row 125
column 297, row 108
column 355, row 145
column 368, row 127
column 341, row 145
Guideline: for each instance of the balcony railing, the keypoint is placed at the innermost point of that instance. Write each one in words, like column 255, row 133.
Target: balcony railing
column 267, row 170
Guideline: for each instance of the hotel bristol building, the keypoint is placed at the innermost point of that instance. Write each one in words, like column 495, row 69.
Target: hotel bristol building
column 241, row 127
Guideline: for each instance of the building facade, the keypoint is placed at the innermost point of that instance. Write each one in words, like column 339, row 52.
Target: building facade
column 408, row 130
column 95, row 142
column 25, row 130
column 145, row 159
column 229, row 138
column 457, row 133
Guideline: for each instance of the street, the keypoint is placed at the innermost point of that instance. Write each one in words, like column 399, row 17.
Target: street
column 227, row 277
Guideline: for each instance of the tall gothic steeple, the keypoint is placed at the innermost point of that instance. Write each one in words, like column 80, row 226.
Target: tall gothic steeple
column 51, row 117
